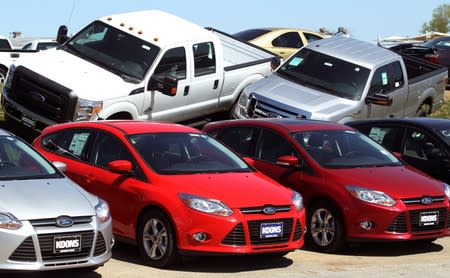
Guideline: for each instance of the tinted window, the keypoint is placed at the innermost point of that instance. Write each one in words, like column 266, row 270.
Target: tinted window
column 248, row 35
column 4, row 44
column 204, row 58
column 273, row 146
column 241, row 139
column 186, row 153
column 69, row 143
column 387, row 78
column 46, row 45
column 325, row 73
column 173, row 63
column 419, row 145
column 311, row 37
column 290, row 39
column 108, row 148
column 387, row 136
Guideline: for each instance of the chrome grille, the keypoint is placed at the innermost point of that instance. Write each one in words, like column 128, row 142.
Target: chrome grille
column 414, row 201
column 51, row 222
column 259, row 210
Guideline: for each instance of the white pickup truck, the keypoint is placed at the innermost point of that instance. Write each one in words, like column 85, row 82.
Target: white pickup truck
column 341, row 79
column 147, row 65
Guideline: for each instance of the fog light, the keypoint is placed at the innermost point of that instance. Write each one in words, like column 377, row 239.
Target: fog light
column 366, row 225
column 199, row 236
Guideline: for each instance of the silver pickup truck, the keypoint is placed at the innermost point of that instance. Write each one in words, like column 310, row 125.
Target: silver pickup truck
column 341, row 79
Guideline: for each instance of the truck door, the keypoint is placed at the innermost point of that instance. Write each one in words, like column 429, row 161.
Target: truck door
column 388, row 80
column 206, row 81
column 158, row 106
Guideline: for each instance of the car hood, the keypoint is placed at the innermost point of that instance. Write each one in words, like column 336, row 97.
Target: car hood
column 236, row 190
column 299, row 99
column 80, row 76
column 39, row 199
column 397, row 181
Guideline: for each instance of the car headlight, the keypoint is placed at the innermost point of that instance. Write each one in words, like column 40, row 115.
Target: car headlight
column 205, row 205
column 371, row 196
column 297, row 201
column 88, row 109
column 9, row 221
column 9, row 77
column 102, row 211
column 447, row 190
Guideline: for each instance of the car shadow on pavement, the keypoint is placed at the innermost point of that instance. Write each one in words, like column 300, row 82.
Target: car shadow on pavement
column 51, row 274
column 207, row 264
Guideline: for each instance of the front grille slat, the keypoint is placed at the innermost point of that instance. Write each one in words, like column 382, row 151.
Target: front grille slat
column 398, row 225
column 298, row 231
column 50, row 222
column 25, row 252
column 235, row 237
column 415, row 201
column 100, row 245
column 259, row 210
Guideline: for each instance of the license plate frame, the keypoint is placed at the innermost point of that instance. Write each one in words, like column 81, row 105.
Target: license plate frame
column 271, row 230
column 429, row 218
column 66, row 244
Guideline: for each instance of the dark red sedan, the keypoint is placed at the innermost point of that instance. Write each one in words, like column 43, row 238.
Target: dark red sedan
column 354, row 189
column 175, row 190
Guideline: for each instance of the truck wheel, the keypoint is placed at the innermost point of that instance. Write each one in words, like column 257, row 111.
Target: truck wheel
column 325, row 228
column 156, row 240
column 423, row 111
column 3, row 72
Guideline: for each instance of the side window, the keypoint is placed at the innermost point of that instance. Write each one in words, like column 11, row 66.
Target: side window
column 173, row 63
column 273, row 146
column 419, row 145
column 108, row 148
column 240, row 139
column 389, row 137
column 69, row 143
column 27, row 46
column 311, row 37
column 204, row 58
column 290, row 39
column 387, row 78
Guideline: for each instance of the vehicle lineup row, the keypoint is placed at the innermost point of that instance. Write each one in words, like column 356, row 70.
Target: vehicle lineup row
column 97, row 174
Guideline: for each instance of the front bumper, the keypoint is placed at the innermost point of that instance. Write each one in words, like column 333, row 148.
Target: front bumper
column 32, row 247
column 240, row 233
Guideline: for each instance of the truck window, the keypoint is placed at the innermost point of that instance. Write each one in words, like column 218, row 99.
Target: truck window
column 387, row 78
column 204, row 58
column 172, row 63
column 4, row 44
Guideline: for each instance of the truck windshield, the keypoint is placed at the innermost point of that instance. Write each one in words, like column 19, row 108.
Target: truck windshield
column 326, row 73
column 114, row 50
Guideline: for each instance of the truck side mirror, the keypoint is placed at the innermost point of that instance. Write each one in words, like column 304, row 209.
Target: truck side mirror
column 379, row 99
column 61, row 36
column 166, row 85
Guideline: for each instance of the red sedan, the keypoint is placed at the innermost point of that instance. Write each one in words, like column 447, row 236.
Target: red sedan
column 174, row 190
column 354, row 189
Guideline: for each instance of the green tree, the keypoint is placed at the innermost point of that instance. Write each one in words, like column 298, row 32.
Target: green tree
column 439, row 21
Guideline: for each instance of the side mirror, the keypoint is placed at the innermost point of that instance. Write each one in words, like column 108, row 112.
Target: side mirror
column 61, row 166
column 120, row 167
column 287, row 161
column 166, row 85
column 379, row 99
column 249, row 160
column 61, row 36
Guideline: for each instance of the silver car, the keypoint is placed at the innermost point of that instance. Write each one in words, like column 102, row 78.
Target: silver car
column 47, row 222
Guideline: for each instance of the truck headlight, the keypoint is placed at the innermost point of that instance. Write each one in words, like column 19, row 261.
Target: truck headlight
column 297, row 201
column 102, row 211
column 9, row 221
column 88, row 109
column 205, row 205
column 371, row 196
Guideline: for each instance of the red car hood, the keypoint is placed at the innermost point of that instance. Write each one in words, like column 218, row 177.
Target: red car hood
column 396, row 181
column 236, row 190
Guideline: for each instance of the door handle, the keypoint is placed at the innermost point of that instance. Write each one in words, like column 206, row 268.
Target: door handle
column 186, row 91
column 216, row 84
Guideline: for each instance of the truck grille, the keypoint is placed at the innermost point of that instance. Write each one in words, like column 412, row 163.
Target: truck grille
column 262, row 107
column 42, row 96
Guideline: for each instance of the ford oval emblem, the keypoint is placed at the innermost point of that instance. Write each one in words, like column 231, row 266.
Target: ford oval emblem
column 269, row 210
column 426, row 200
column 64, row 221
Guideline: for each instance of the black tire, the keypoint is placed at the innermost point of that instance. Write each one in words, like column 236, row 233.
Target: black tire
column 3, row 72
column 325, row 231
column 156, row 240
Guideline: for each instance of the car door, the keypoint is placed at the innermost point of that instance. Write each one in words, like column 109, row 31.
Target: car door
column 426, row 153
column 387, row 80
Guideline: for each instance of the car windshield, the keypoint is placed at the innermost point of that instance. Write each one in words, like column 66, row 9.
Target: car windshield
column 18, row 161
column 248, row 35
column 186, row 153
column 325, row 73
column 344, row 149
column 117, row 51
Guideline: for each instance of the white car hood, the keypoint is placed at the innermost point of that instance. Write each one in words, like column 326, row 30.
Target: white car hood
column 298, row 97
column 86, row 80
column 46, row 198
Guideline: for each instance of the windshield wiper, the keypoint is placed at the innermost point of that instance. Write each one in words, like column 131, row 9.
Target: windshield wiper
column 129, row 78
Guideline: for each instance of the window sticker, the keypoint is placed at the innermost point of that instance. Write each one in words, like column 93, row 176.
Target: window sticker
column 295, row 61
column 384, row 78
column 377, row 134
column 397, row 84
column 78, row 142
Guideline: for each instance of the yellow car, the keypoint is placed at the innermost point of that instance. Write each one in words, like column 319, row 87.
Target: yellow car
column 281, row 41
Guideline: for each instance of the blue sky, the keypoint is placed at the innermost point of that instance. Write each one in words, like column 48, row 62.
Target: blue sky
column 365, row 20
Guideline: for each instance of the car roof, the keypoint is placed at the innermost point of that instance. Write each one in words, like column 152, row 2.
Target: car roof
column 286, row 124
column 127, row 127
column 424, row 122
